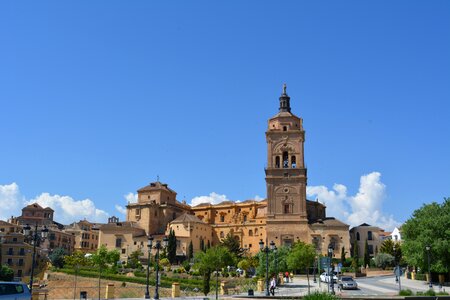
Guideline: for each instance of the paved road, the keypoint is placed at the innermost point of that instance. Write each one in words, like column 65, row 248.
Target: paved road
column 380, row 285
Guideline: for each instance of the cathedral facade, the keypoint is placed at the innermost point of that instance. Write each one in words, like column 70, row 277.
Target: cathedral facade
column 285, row 217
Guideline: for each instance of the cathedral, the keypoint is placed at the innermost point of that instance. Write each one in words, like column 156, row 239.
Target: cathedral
column 284, row 217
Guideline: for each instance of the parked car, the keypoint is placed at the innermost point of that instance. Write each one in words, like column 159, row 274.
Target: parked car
column 14, row 291
column 324, row 277
column 347, row 283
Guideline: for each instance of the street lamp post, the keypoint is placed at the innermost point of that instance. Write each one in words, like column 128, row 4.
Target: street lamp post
column 428, row 248
column 149, row 249
column 158, row 247
column 314, row 269
column 276, row 263
column 330, row 276
column 35, row 239
column 266, row 250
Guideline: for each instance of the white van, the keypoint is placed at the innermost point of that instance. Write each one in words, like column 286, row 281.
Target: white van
column 14, row 291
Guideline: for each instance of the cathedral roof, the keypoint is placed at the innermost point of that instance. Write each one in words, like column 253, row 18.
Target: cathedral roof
column 36, row 206
column 330, row 221
column 156, row 186
column 187, row 218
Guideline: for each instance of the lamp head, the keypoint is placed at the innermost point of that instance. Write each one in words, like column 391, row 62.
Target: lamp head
column 44, row 232
column 272, row 245
column 150, row 241
column 165, row 242
column 261, row 244
column 27, row 229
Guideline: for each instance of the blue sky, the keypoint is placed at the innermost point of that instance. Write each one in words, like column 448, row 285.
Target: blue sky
column 98, row 98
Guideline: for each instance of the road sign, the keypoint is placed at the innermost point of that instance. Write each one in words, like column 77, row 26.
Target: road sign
column 325, row 262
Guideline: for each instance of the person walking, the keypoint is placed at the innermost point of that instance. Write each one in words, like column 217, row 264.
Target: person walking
column 273, row 285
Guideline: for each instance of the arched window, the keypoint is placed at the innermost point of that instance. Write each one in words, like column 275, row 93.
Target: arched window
column 357, row 236
column 287, row 208
column 277, row 162
column 222, row 218
column 293, row 161
column 284, row 128
column 250, row 232
column 222, row 235
column 256, row 231
column 285, row 159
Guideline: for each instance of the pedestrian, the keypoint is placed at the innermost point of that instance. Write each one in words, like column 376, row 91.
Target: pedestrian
column 273, row 285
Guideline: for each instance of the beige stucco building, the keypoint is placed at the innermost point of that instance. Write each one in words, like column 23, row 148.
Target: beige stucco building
column 126, row 237
column 285, row 217
column 188, row 228
column 33, row 215
column 15, row 252
column 85, row 235
column 374, row 235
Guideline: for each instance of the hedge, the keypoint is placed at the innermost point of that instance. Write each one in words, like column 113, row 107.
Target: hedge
column 164, row 281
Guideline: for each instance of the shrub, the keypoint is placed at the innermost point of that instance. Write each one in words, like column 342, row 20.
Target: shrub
column 421, row 277
column 441, row 293
column 430, row 292
column 382, row 260
column 320, row 296
column 186, row 265
column 405, row 293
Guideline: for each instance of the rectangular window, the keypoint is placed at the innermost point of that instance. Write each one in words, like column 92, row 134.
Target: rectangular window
column 371, row 249
column 118, row 243
column 138, row 212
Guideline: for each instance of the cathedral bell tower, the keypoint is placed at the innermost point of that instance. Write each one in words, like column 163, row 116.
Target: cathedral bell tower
column 286, row 177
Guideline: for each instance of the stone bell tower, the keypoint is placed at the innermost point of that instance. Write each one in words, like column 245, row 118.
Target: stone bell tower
column 286, row 177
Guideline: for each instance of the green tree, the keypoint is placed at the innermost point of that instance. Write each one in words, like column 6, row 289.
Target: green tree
column 233, row 245
column 429, row 226
column 366, row 254
column 172, row 247
column 388, row 247
column 191, row 251
column 6, row 273
column 214, row 259
column 383, row 260
column 343, row 256
column 301, row 257
column 355, row 256
column 104, row 258
column 57, row 257
column 133, row 261
column 202, row 245
column 281, row 256
column 77, row 258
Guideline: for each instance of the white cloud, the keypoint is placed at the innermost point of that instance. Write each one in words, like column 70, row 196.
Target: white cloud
column 11, row 201
column 213, row 198
column 121, row 209
column 258, row 198
column 364, row 207
column 68, row 210
column 131, row 198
